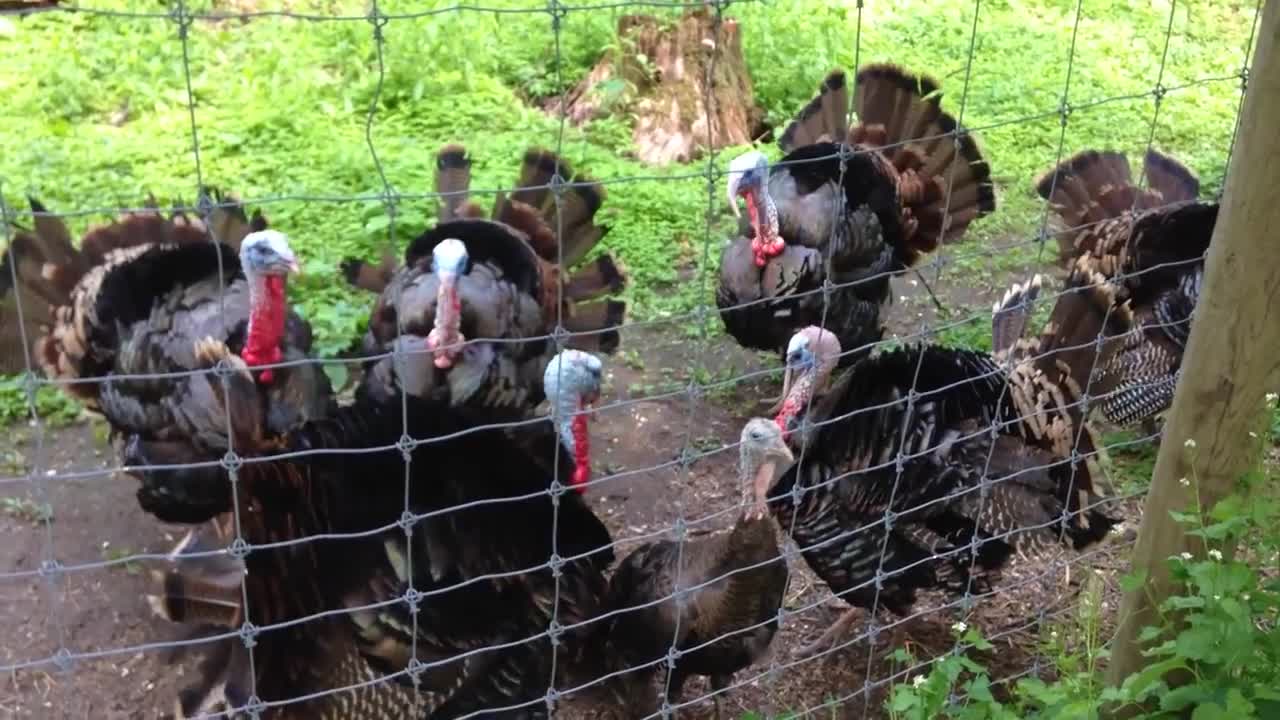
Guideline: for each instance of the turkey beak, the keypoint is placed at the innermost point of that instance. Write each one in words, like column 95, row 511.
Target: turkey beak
column 735, row 180
column 293, row 266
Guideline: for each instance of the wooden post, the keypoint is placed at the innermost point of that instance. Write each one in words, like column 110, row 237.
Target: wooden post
column 1233, row 355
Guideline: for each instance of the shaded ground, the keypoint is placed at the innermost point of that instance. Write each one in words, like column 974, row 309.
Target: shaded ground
column 96, row 522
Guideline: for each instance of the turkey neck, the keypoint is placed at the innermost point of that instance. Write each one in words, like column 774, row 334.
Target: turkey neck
column 575, row 435
column 751, row 541
column 759, row 202
column 266, row 322
column 796, row 399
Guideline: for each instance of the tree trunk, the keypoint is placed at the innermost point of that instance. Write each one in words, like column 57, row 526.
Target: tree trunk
column 1230, row 361
column 659, row 78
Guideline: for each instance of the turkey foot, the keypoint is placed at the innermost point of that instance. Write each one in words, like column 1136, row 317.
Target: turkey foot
column 829, row 639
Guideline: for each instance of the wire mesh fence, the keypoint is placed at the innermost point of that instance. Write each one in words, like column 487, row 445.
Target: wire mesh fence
column 353, row 607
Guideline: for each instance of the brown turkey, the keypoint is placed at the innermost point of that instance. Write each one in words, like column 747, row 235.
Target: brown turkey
column 474, row 306
column 736, row 581
column 123, row 313
column 907, row 434
column 906, row 185
column 1151, row 242
column 484, row 527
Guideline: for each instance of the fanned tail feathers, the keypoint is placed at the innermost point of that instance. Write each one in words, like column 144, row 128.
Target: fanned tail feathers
column 943, row 180
column 1009, row 316
column 1086, row 309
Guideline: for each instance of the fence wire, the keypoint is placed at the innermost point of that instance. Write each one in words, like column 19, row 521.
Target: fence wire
column 777, row 673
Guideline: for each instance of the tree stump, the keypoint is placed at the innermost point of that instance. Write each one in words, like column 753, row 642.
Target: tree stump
column 658, row 75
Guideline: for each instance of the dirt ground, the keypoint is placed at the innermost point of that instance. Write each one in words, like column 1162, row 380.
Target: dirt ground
column 101, row 607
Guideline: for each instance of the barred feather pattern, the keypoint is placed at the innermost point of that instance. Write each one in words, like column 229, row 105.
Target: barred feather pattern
column 960, row 499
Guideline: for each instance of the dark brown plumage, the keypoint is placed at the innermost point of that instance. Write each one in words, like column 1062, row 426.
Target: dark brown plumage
column 907, row 432
column 511, row 291
column 735, row 580
column 904, row 190
column 1151, row 242
column 479, row 558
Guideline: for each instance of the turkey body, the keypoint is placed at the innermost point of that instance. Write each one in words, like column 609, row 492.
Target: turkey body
column 1151, row 242
column 476, row 560
column 512, row 292
column 123, row 315
column 901, row 189
column 849, row 479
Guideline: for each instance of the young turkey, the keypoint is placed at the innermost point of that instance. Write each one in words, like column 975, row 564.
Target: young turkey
column 124, row 311
column 907, row 434
column 1151, row 242
column 484, row 527
column 905, row 186
column 736, row 581
column 476, row 301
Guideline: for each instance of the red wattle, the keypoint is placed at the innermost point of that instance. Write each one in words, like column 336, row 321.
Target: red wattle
column 581, row 453
column 266, row 327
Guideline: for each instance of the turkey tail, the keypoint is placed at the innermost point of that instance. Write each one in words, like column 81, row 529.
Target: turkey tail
column 1174, row 181
column 1009, row 317
column 601, row 277
column 1086, row 309
column 599, row 321
column 943, row 180
column 824, row 119
column 367, row 276
column 228, row 222
column 453, row 181
column 1094, row 186
column 202, row 590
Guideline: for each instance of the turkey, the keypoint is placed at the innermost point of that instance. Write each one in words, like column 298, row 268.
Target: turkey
column 906, row 186
column 477, row 555
column 1152, row 243
column 125, row 311
column 871, row 448
column 501, row 287
column 736, row 581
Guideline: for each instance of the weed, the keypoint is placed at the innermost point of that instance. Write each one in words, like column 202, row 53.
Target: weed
column 27, row 510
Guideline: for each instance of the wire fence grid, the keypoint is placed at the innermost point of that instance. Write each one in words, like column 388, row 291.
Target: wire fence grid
column 691, row 515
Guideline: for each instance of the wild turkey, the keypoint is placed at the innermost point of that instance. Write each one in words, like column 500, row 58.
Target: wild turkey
column 502, row 293
column 477, row 556
column 1151, row 242
column 907, row 434
column 730, row 616
column 128, row 307
column 906, row 186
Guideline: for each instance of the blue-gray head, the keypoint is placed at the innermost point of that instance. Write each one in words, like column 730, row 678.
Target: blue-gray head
column 572, row 383
column 763, row 456
column 449, row 256
column 748, row 175
column 267, row 252
column 812, row 354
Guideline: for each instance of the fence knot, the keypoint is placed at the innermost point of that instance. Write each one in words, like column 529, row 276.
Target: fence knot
column 231, row 462
column 248, row 634
column 556, row 564
column 1158, row 92
column 63, row 659
column 239, row 549
column 406, row 445
column 1064, row 112
column 412, row 598
column 554, row 631
column 49, row 568
column 406, row 522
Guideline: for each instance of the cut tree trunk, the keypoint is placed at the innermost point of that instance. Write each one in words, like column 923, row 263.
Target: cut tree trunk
column 658, row 75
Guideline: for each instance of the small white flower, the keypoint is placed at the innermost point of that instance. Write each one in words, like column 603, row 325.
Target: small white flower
column 1184, row 482
column 1054, row 634
column 1104, row 605
column 917, row 681
column 1253, row 434
column 960, row 627
column 1186, row 556
column 1216, row 598
column 1245, row 597
column 1190, row 443
column 1215, row 554
column 1271, row 397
